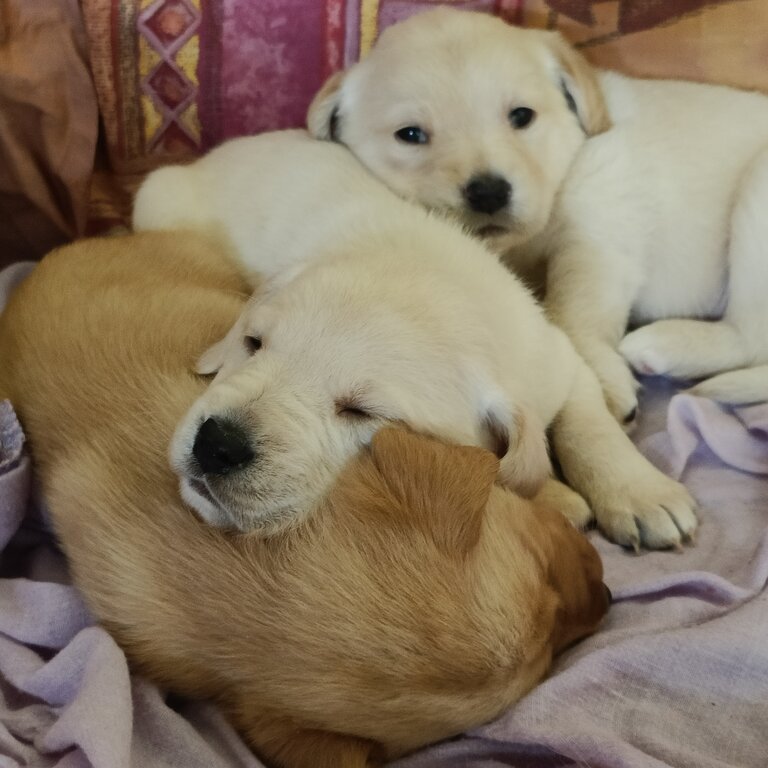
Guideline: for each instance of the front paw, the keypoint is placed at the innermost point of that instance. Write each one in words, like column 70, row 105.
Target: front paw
column 652, row 511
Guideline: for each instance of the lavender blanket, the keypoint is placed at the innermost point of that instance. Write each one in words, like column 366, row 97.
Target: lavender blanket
column 677, row 677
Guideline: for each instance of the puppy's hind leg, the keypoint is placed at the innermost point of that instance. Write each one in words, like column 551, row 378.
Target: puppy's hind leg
column 685, row 349
column 693, row 348
column 742, row 387
column 286, row 744
column 748, row 261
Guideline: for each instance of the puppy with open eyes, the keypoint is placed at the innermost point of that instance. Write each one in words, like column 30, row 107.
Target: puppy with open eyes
column 375, row 311
column 415, row 600
column 644, row 199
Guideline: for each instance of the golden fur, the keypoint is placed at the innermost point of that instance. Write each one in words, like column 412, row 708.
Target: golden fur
column 418, row 600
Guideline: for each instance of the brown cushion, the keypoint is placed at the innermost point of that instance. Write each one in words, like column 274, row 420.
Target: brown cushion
column 48, row 126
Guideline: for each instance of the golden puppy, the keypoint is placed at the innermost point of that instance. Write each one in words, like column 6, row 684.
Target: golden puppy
column 417, row 600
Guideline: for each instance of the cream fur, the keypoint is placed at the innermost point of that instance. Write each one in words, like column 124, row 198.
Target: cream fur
column 661, row 218
column 370, row 299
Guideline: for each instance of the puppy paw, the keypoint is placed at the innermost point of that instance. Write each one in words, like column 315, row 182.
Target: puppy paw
column 654, row 513
column 571, row 505
column 621, row 399
column 652, row 350
column 619, row 388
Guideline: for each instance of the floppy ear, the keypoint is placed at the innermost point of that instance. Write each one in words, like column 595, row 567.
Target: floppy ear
column 521, row 444
column 323, row 114
column 443, row 489
column 580, row 86
column 575, row 573
column 230, row 352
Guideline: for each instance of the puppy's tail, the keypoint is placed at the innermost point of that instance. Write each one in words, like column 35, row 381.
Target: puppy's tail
column 170, row 198
column 741, row 387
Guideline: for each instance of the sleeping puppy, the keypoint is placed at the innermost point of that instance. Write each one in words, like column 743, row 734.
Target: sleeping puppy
column 376, row 312
column 416, row 601
column 659, row 217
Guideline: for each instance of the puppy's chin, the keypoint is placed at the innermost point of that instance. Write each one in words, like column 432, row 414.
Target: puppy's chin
column 500, row 238
column 491, row 231
column 499, row 228
column 241, row 516
column 197, row 496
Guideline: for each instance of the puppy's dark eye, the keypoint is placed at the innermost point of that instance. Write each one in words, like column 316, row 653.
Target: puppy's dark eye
column 252, row 344
column 351, row 409
column 412, row 134
column 521, row 117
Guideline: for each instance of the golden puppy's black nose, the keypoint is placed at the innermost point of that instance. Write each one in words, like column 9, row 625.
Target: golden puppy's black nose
column 487, row 193
column 220, row 447
column 608, row 593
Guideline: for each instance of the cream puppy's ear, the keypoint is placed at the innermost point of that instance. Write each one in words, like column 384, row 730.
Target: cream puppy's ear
column 515, row 435
column 212, row 359
column 520, row 442
column 580, row 86
column 323, row 114
column 230, row 352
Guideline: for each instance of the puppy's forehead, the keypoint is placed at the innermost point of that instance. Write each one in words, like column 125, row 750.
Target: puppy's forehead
column 446, row 33
column 329, row 324
column 436, row 65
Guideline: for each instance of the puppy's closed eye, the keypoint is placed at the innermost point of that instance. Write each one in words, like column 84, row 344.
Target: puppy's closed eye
column 351, row 408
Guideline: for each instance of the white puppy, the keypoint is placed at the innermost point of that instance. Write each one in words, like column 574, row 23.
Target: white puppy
column 375, row 311
column 662, row 216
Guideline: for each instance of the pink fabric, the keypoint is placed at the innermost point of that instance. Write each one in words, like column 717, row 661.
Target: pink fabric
column 271, row 63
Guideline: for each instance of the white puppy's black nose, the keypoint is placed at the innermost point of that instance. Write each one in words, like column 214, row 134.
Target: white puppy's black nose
column 487, row 193
column 220, row 447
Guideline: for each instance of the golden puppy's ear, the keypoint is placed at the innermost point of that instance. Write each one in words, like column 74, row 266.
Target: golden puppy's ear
column 575, row 572
column 580, row 86
column 323, row 113
column 520, row 442
column 442, row 489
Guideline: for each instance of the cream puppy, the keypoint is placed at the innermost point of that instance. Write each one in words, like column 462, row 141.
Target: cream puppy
column 469, row 116
column 375, row 311
column 660, row 217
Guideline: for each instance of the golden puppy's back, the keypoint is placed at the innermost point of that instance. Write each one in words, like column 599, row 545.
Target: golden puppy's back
column 85, row 317
column 97, row 349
